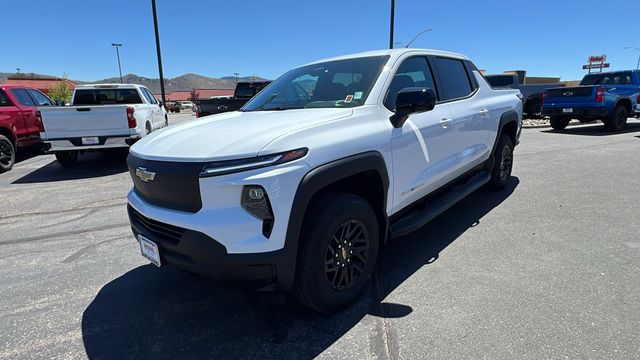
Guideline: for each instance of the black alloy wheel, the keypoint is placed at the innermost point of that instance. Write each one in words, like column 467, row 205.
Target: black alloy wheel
column 506, row 162
column 7, row 154
column 346, row 255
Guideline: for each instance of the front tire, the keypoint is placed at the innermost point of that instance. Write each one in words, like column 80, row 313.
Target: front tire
column 617, row 121
column 502, row 164
column 7, row 154
column 338, row 252
column 67, row 158
column 559, row 123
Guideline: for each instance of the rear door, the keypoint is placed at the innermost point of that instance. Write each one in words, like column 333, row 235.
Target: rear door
column 29, row 132
column 157, row 118
column 421, row 148
column 470, row 117
column 10, row 113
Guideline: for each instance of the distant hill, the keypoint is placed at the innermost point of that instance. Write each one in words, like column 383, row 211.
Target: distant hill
column 184, row 82
column 4, row 76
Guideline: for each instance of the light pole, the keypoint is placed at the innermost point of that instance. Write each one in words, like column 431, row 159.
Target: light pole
column 415, row 37
column 236, row 75
column 393, row 10
column 155, row 26
column 635, row 48
column 116, row 45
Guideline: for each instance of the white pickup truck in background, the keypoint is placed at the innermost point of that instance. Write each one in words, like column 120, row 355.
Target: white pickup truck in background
column 101, row 116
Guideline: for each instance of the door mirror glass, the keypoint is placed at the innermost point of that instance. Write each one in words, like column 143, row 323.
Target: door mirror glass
column 412, row 100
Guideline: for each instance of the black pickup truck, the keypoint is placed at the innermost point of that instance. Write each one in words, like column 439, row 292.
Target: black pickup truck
column 243, row 93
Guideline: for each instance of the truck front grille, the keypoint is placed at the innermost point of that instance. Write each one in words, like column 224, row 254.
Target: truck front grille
column 170, row 185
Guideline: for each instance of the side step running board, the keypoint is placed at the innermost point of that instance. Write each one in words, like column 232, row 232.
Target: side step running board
column 418, row 218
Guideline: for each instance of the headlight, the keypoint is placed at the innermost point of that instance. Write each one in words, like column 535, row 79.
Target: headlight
column 232, row 166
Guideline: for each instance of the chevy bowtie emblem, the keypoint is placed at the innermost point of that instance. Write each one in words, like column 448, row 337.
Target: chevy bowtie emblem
column 568, row 93
column 145, row 175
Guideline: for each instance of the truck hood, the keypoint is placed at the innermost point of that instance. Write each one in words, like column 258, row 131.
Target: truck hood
column 231, row 135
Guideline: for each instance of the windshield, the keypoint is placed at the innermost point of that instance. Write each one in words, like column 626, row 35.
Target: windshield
column 620, row 78
column 332, row 84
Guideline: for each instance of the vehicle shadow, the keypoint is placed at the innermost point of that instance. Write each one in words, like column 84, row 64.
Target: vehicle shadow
column 594, row 130
column 165, row 313
column 90, row 165
column 26, row 153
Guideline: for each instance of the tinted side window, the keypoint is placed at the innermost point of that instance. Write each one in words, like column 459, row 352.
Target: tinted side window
column 23, row 97
column 453, row 78
column 40, row 98
column 413, row 72
column 149, row 96
column 4, row 99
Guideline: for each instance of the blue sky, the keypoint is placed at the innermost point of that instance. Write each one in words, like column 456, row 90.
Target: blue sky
column 265, row 38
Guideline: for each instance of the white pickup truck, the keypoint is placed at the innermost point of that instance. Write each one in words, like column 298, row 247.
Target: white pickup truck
column 102, row 116
column 303, row 185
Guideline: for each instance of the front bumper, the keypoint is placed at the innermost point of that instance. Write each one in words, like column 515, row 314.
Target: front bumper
column 75, row 144
column 200, row 254
column 577, row 112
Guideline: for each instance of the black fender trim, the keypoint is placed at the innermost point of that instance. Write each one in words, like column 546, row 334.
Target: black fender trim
column 505, row 118
column 314, row 181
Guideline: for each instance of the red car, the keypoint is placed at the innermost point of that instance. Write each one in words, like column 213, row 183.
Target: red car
column 20, row 124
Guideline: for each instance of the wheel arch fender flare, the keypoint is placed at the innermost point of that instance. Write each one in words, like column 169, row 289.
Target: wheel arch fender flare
column 506, row 119
column 316, row 180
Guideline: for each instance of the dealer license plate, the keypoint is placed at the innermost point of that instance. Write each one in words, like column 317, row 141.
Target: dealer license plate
column 567, row 110
column 149, row 249
column 90, row 140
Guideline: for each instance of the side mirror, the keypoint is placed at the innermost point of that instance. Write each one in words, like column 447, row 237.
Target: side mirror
column 412, row 100
column 160, row 104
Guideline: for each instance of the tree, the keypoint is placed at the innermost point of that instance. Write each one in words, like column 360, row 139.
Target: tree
column 194, row 96
column 61, row 90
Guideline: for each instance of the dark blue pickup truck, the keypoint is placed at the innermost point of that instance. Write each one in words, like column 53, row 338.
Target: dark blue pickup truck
column 611, row 97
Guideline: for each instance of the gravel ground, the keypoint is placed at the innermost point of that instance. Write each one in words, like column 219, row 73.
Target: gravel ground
column 547, row 268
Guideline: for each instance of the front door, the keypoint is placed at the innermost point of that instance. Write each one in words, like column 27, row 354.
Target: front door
column 422, row 146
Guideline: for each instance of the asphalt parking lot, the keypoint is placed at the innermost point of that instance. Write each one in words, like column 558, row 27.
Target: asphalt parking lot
column 548, row 268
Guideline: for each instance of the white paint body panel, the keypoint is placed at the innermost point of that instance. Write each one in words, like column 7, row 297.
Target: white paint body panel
column 329, row 134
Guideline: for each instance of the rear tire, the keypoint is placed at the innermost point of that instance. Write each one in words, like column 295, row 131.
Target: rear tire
column 338, row 252
column 617, row 121
column 67, row 158
column 559, row 123
column 502, row 163
column 7, row 154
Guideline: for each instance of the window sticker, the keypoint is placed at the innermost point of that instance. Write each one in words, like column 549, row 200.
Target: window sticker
column 357, row 95
column 348, row 99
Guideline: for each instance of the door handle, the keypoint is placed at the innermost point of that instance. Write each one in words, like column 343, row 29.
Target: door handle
column 445, row 122
column 484, row 111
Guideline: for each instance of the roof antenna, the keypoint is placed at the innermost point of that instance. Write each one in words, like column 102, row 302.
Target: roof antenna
column 415, row 37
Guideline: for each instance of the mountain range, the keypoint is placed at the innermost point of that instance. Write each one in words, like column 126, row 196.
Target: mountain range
column 184, row 82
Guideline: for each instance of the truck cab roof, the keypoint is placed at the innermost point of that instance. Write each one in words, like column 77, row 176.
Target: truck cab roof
column 394, row 53
column 109, row 86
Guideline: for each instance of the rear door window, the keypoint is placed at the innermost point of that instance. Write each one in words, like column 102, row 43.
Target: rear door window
column 40, row 98
column 453, row 78
column 106, row 97
column 148, row 95
column 23, row 97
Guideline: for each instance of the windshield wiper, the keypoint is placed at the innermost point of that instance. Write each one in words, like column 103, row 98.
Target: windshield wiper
column 269, row 99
